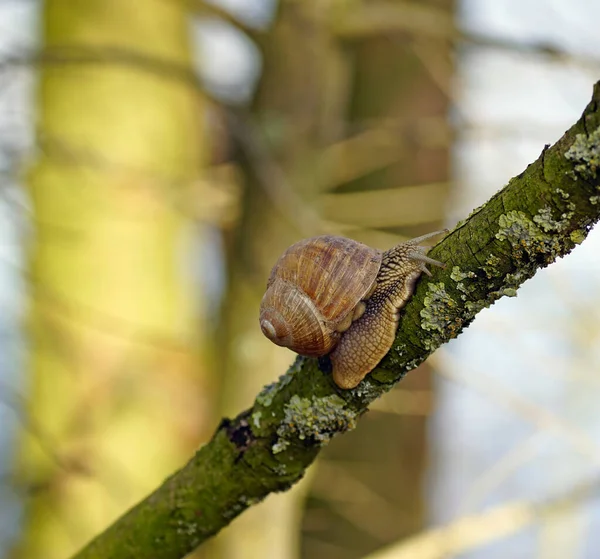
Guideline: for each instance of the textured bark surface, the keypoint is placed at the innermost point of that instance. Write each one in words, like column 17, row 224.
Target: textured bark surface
column 540, row 215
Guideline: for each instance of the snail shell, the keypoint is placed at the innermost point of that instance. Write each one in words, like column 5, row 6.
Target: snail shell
column 313, row 291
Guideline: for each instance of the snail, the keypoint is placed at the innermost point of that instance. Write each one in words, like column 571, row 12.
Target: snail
column 333, row 295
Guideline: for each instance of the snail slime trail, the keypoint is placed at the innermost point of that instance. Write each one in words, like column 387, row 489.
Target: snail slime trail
column 333, row 296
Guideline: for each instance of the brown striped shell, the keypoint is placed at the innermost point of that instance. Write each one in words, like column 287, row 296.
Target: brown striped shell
column 314, row 290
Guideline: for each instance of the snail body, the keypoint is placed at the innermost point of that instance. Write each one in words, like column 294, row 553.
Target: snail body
column 332, row 295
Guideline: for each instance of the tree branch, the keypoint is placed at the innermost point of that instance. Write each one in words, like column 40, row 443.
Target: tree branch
column 540, row 215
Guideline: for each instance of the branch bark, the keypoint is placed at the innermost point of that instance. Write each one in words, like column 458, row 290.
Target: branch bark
column 541, row 214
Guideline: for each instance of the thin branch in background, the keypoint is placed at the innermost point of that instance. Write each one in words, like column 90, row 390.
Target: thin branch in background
column 348, row 496
column 276, row 185
column 439, row 69
column 215, row 188
column 91, row 318
column 222, row 196
column 359, row 21
column 446, row 366
column 377, row 144
column 178, row 192
column 326, row 548
column 469, row 533
column 551, row 364
column 113, row 55
column 509, row 131
column 405, row 402
column 13, row 400
column 546, row 51
column 113, row 477
column 384, row 17
column 201, row 8
column 389, row 207
column 482, row 486
column 273, row 179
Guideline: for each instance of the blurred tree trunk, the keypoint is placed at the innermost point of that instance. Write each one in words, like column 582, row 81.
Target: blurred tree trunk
column 277, row 150
column 113, row 403
column 370, row 489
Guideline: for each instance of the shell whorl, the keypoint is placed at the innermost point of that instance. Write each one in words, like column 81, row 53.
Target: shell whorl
column 289, row 318
column 274, row 327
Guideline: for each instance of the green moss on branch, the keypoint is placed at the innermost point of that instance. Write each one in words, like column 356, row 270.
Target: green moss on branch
column 540, row 215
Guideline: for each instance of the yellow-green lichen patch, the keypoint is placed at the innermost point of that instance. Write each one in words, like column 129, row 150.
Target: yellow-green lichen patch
column 534, row 243
column 526, row 238
column 585, row 154
column 492, row 267
column 317, row 418
column 577, row 236
column 256, row 419
column 439, row 315
column 545, row 220
column 266, row 395
column 458, row 276
column 473, row 307
column 438, row 300
column 516, row 227
column 368, row 390
column 280, row 446
column 516, row 279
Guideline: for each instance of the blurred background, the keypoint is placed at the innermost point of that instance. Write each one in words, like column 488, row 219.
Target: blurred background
column 155, row 159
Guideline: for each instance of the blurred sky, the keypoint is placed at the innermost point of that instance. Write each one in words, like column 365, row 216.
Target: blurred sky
column 542, row 346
